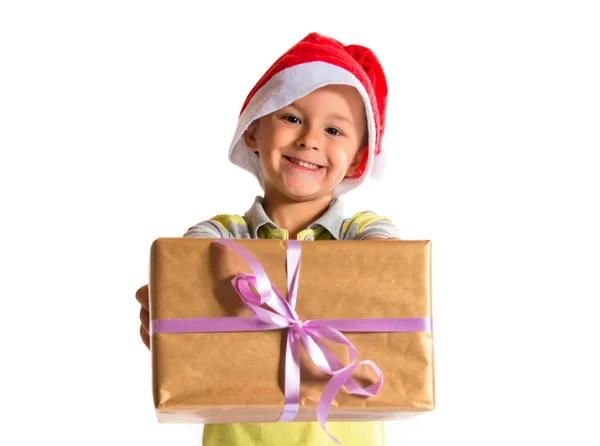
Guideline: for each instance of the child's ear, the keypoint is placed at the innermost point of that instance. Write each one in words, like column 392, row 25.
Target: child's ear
column 356, row 162
column 250, row 136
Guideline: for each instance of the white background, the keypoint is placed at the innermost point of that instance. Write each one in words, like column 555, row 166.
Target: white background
column 115, row 120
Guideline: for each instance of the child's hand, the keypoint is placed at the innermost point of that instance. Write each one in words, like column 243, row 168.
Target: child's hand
column 142, row 297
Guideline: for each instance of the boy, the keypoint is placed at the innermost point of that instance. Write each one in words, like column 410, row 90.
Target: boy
column 310, row 131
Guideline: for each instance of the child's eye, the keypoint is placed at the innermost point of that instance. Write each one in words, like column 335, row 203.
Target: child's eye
column 292, row 119
column 333, row 131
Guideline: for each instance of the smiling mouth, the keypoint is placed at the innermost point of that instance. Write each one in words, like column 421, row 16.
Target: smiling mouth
column 303, row 163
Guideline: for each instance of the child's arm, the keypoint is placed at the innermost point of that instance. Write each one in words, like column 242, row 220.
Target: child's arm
column 216, row 227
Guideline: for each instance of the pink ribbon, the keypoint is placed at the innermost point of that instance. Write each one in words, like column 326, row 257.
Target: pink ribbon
column 257, row 292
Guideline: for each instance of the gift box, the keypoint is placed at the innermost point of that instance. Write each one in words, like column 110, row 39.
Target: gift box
column 272, row 330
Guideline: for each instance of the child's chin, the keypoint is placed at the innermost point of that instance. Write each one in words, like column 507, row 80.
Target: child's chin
column 299, row 194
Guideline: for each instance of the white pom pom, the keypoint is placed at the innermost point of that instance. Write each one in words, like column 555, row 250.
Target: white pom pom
column 380, row 165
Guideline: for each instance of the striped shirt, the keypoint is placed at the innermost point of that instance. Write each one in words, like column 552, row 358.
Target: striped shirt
column 255, row 224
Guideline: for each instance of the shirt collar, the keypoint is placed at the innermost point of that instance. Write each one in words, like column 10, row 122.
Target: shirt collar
column 332, row 220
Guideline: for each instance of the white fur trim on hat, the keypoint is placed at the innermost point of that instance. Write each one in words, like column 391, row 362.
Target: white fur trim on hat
column 380, row 166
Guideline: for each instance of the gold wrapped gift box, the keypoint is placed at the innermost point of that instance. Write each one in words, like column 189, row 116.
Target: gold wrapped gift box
column 227, row 377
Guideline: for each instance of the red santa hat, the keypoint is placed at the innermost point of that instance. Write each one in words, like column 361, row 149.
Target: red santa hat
column 312, row 63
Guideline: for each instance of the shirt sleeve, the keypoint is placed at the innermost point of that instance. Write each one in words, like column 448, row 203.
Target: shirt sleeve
column 213, row 228
column 366, row 224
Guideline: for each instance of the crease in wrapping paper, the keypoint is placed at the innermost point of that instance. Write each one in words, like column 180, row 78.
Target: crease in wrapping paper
column 239, row 377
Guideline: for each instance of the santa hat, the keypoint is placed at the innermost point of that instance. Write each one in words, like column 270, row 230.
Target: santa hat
column 310, row 64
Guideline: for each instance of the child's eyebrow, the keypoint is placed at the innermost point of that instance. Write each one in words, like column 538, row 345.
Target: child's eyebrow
column 340, row 118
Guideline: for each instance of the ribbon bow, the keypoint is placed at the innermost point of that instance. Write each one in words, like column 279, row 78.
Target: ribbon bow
column 310, row 333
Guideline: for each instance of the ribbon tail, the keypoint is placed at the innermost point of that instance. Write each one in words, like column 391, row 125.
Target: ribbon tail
column 292, row 378
column 333, row 387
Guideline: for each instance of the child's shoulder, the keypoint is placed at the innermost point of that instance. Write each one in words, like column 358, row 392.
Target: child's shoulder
column 220, row 226
column 365, row 224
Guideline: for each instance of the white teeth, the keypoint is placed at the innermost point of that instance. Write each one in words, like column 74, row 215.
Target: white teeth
column 304, row 164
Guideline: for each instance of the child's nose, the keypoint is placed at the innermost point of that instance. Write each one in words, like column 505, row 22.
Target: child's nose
column 309, row 139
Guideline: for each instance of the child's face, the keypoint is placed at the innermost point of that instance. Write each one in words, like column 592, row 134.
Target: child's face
column 307, row 148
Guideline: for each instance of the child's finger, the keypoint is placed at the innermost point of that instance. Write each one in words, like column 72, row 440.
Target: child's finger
column 142, row 296
column 145, row 337
column 145, row 318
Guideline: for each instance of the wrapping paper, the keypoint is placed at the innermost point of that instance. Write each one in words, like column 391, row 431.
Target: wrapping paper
column 239, row 377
